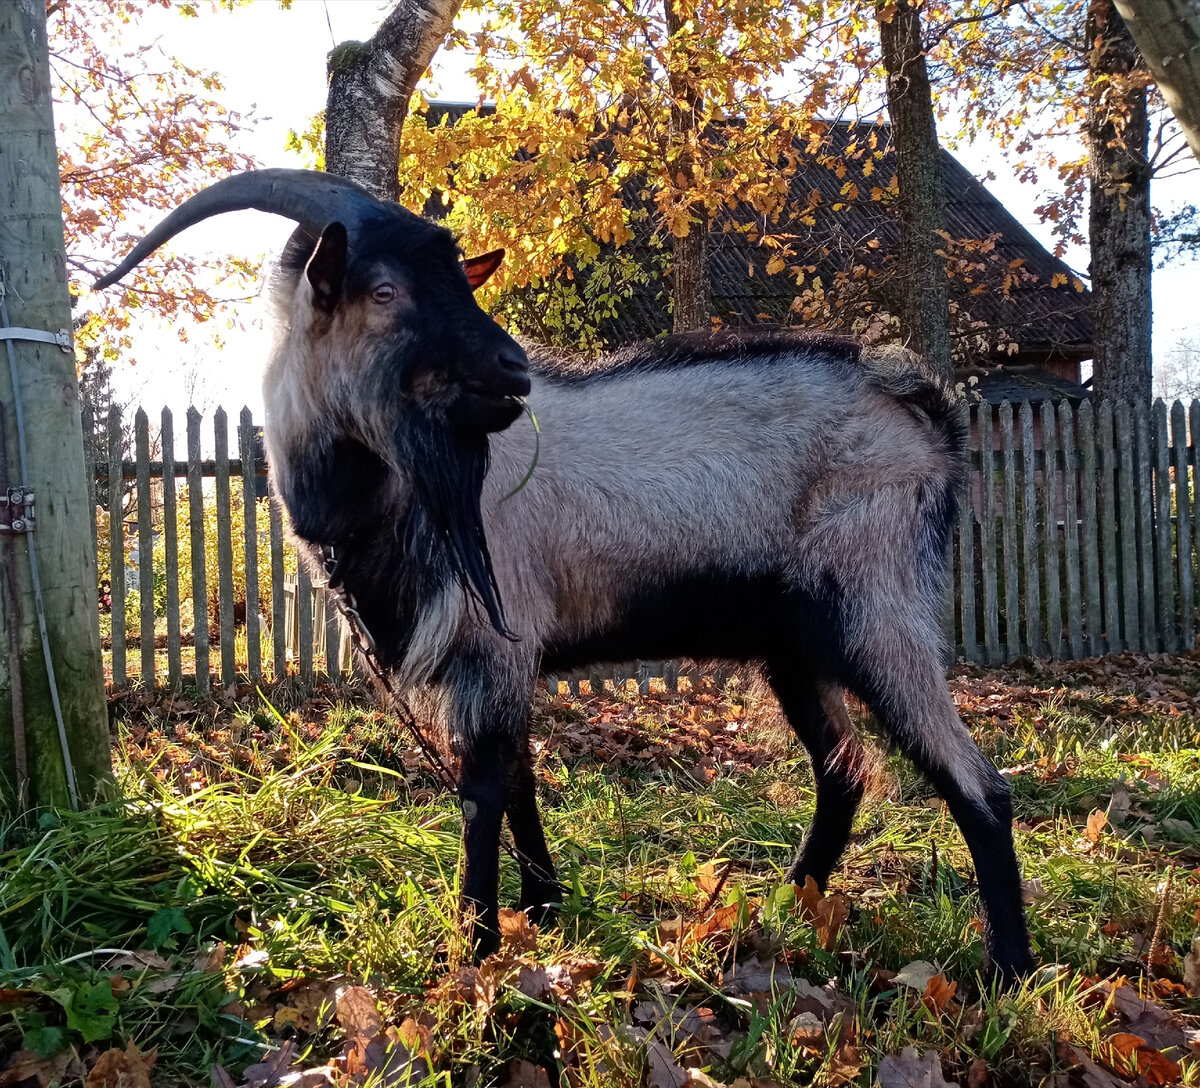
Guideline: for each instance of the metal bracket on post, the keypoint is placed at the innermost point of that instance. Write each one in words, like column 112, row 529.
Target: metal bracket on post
column 16, row 510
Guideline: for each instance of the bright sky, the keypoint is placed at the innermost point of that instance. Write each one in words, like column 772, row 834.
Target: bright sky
column 272, row 63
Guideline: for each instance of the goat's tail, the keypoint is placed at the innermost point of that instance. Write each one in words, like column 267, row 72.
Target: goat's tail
column 906, row 376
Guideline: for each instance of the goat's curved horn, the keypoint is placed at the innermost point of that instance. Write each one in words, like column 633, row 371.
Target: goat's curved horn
column 308, row 197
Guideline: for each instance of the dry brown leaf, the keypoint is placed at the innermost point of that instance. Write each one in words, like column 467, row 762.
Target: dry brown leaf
column 844, row 1066
column 977, row 1074
column 220, row 1077
column 756, row 976
column 386, row 1059
column 1128, row 1053
column 517, row 934
column 1095, row 825
column 358, row 1012
column 266, row 1074
column 128, row 1068
column 1158, row 1027
column 662, row 1069
column 938, row 991
column 706, row 878
column 26, row 1065
column 910, row 1069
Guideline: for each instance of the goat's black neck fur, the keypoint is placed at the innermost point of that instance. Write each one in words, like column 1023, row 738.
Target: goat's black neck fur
column 448, row 469
column 339, row 494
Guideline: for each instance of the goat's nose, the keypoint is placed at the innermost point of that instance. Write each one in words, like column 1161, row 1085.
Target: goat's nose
column 511, row 357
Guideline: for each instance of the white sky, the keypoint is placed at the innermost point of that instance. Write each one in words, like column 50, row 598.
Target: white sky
column 272, row 63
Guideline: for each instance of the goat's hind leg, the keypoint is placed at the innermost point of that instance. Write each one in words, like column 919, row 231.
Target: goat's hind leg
column 902, row 681
column 817, row 714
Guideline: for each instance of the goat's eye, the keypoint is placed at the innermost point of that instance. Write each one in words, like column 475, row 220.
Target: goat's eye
column 384, row 292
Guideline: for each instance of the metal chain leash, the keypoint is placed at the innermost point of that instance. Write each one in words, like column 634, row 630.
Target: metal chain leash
column 364, row 643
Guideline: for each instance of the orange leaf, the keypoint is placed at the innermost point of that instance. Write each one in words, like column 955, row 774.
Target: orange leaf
column 1095, row 824
column 938, row 991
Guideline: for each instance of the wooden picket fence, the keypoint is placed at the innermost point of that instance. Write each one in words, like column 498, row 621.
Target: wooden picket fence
column 1078, row 535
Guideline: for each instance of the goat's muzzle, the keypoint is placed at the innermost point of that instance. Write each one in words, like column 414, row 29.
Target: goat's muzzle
column 490, row 398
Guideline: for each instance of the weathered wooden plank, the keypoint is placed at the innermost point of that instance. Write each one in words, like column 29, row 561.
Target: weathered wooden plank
column 145, row 530
column 1012, row 562
column 304, row 614
column 1030, row 558
column 1069, row 439
column 987, row 536
column 278, row 603
column 116, row 553
column 1164, row 568
column 1107, row 523
column 1051, row 506
column 1144, row 487
column 1183, row 528
column 1125, row 460
column 224, row 549
column 671, row 675
column 196, row 533
column 171, row 554
column 250, row 543
column 1090, row 541
column 966, row 564
column 1194, row 431
column 333, row 636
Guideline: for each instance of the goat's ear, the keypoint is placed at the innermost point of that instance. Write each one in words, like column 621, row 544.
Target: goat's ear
column 479, row 269
column 326, row 268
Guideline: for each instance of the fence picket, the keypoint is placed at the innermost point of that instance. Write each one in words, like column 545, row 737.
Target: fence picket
column 1164, row 568
column 1183, row 525
column 170, row 523
column 224, row 549
column 1144, row 486
column 145, row 529
column 987, row 536
column 1090, row 538
column 279, row 644
column 250, row 542
column 1109, row 565
column 966, row 566
column 304, row 618
column 1069, row 441
column 196, row 532
column 1029, row 567
column 1194, row 442
column 1050, row 508
column 1012, row 627
column 1127, row 515
column 116, row 546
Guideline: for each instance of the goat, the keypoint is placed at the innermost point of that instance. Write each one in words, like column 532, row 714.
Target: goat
column 773, row 498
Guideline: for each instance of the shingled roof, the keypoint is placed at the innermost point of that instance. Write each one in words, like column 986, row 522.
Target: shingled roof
column 1017, row 315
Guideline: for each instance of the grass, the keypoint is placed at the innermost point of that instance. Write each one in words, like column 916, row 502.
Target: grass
column 262, row 863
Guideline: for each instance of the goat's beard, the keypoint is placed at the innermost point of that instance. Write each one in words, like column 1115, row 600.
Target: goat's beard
column 448, row 468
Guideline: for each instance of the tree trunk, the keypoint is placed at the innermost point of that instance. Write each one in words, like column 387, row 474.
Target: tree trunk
column 370, row 84
column 925, row 307
column 1167, row 33
column 1119, row 217
column 689, row 256
column 33, row 770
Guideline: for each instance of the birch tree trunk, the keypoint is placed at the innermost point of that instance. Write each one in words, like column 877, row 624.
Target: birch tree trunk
column 1119, row 217
column 1167, row 33
column 925, row 309
column 370, row 84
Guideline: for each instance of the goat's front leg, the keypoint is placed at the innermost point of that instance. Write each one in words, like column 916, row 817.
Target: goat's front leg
column 483, row 793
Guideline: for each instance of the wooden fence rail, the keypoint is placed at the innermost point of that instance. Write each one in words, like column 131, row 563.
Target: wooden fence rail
column 1078, row 534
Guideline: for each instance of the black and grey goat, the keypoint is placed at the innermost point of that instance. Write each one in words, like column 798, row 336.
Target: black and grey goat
column 772, row 499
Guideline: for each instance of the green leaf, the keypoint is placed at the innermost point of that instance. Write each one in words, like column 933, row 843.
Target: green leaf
column 42, row 1038
column 91, row 1010
column 164, row 924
